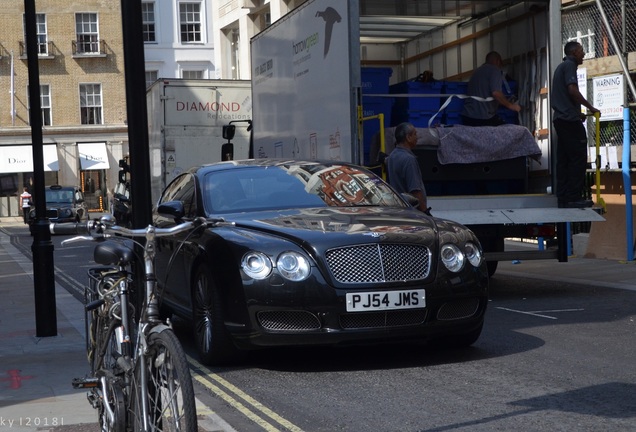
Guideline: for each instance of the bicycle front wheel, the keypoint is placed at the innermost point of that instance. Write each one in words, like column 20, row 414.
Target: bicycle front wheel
column 169, row 391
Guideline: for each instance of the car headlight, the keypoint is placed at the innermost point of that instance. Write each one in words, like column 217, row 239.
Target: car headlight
column 293, row 266
column 452, row 257
column 65, row 213
column 473, row 254
column 256, row 265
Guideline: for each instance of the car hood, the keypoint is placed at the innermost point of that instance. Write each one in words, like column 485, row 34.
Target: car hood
column 343, row 226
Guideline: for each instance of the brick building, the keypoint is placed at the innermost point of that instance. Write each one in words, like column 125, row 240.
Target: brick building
column 82, row 93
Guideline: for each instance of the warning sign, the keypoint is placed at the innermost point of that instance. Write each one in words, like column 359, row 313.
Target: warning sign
column 171, row 161
column 608, row 96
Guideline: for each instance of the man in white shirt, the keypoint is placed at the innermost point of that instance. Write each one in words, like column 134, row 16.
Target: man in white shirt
column 25, row 199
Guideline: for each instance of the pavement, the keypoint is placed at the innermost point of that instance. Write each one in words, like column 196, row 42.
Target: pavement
column 36, row 372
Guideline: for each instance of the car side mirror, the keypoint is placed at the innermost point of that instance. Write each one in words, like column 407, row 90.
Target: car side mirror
column 229, row 131
column 227, row 149
column 173, row 209
column 227, row 152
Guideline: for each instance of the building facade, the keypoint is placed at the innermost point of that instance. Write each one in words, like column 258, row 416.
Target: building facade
column 235, row 23
column 82, row 94
column 178, row 39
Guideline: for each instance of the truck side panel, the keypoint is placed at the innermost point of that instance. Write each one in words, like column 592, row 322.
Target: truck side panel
column 302, row 84
column 186, row 119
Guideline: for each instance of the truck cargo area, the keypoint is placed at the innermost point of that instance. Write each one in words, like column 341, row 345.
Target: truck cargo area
column 410, row 61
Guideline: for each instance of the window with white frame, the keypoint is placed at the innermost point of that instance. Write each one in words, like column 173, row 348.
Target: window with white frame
column 45, row 104
column 42, row 37
column 586, row 39
column 151, row 77
column 87, row 33
column 41, row 34
column 580, row 26
column 90, row 103
column 190, row 22
column 192, row 74
column 148, row 21
column 235, row 54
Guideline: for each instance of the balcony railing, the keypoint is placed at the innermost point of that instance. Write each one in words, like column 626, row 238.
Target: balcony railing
column 45, row 50
column 88, row 48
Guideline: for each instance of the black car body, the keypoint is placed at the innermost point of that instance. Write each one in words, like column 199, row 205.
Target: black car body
column 63, row 204
column 316, row 253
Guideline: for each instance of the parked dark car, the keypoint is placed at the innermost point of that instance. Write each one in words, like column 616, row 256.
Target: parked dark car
column 63, row 204
column 122, row 205
column 319, row 253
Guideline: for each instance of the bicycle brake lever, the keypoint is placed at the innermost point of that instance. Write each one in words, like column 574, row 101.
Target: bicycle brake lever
column 217, row 222
column 76, row 239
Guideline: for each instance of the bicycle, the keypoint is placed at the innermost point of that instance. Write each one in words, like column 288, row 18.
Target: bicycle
column 139, row 378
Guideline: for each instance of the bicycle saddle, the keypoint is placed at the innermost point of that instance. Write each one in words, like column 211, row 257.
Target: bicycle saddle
column 112, row 252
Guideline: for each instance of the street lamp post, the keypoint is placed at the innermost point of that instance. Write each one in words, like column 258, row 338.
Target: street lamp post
column 136, row 112
column 42, row 247
column 137, row 115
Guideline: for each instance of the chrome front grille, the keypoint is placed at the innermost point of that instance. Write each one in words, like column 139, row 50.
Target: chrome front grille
column 51, row 214
column 379, row 263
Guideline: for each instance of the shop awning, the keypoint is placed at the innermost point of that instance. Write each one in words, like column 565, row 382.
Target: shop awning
column 19, row 158
column 93, row 156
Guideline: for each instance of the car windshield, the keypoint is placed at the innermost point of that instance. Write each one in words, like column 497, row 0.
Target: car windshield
column 59, row 196
column 295, row 186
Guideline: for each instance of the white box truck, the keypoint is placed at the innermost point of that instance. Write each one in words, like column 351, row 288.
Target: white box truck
column 309, row 96
column 185, row 122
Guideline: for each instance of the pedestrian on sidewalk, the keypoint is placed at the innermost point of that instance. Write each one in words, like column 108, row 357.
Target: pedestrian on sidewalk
column 25, row 198
column 571, row 134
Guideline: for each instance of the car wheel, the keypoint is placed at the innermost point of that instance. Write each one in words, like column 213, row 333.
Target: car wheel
column 212, row 339
column 492, row 267
column 462, row 340
column 493, row 244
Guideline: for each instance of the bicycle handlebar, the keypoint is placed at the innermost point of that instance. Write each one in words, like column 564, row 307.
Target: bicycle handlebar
column 103, row 227
column 70, row 228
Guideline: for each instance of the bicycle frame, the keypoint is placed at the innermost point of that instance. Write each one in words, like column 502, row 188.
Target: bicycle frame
column 110, row 330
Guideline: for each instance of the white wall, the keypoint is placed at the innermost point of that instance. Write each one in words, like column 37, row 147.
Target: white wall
column 167, row 55
column 248, row 16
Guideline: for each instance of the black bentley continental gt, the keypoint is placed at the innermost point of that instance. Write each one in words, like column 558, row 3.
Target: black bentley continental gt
column 318, row 253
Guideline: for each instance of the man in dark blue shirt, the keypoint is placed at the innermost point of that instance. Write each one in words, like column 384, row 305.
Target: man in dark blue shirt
column 566, row 101
column 403, row 168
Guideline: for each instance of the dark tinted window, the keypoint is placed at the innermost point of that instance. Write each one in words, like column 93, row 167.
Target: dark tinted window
column 294, row 186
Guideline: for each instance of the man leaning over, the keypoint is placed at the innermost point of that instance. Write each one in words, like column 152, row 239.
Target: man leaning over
column 486, row 83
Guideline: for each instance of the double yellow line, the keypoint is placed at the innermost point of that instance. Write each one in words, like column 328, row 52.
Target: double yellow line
column 241, row 401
